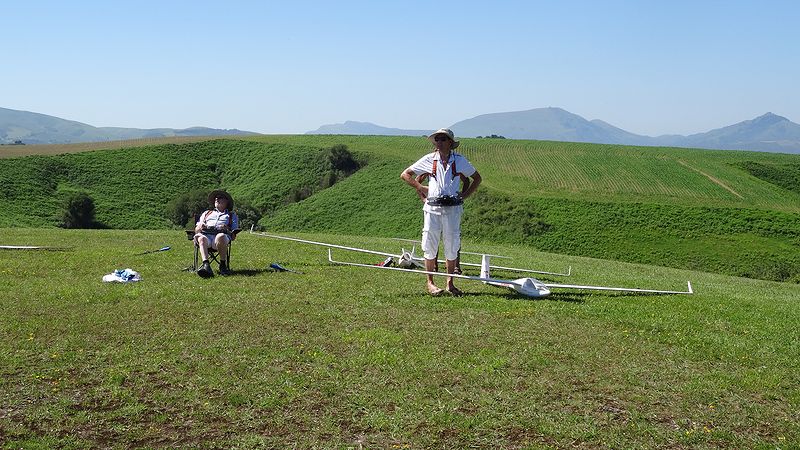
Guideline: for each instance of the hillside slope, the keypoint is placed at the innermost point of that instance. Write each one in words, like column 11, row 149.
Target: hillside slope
column 132, row 187
column 730, row 212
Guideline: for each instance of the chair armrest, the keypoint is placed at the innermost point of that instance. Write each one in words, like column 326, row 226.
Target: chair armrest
column 190, row 234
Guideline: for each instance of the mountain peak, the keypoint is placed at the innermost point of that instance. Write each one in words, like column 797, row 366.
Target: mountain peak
column 770, row 118
column 365, row 128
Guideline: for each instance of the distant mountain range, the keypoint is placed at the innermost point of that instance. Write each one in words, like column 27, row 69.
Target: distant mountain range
column 770, row 132
column 367, row 129
column 34, row 128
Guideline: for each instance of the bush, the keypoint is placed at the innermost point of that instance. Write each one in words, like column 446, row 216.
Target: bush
column 335, row 163
column 183, row 210
column 78, row 211
column 248, row 215
column 341, row 159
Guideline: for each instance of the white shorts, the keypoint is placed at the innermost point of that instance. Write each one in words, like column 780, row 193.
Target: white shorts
column 446, row 225
column 212, row 239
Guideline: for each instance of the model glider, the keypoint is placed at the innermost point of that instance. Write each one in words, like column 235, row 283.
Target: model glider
column 33, row 247
column 529, row 287
column 406, row 259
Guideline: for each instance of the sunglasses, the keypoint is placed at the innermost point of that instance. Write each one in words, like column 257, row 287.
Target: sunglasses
column 441, row 138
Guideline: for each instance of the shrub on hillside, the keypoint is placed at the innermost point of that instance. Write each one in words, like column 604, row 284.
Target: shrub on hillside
column 78, row 211
column 248, row 214
column 339, row 159
column 337, row 163
column 183, row 210
column 333, row 164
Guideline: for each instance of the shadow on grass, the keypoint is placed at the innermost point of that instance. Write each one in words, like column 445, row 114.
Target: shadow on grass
column 510, row 296
column 580, row 297
column 236, row 273
column 570, row 297
column 249, row 272
column 573, row 297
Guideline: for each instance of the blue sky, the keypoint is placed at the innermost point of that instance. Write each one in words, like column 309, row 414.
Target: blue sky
column 649, row 67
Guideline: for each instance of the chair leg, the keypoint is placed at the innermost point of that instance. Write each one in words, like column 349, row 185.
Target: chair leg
column 196, row 257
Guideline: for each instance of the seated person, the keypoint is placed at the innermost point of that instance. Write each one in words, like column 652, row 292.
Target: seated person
column 215, row 229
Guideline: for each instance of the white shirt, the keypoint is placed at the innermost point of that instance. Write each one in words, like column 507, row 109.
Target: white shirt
column 217, row 219
column 446, row 181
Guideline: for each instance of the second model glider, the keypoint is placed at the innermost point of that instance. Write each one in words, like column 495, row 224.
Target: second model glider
column 529, row 287
column 408, row 260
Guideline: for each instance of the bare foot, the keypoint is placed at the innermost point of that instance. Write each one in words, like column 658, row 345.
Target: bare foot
column 456, row 292
column 434, row 290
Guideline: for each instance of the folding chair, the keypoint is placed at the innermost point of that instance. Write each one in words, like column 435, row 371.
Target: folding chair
column 213, row 255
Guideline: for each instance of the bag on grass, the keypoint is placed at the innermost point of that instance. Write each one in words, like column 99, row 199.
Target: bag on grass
column 122, row 276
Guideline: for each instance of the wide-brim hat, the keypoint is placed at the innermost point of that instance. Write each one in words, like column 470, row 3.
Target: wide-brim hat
column 447, row 132
column 220, row 193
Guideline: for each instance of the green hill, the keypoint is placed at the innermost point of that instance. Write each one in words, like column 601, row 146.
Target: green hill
column 736, row 213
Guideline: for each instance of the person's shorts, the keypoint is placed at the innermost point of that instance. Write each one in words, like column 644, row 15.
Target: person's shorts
column 211, row 239
column 445, row 225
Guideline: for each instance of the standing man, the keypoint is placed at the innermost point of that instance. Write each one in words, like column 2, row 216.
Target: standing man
column 443, row 202
column 421, row 178
column 215, row 229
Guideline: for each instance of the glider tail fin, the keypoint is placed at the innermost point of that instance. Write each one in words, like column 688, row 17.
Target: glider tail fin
column 485, row 266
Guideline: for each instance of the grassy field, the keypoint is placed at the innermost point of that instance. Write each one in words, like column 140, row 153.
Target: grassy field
column 347, row 357
column 736, row 213
column 16, row 151
column 357, row 358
